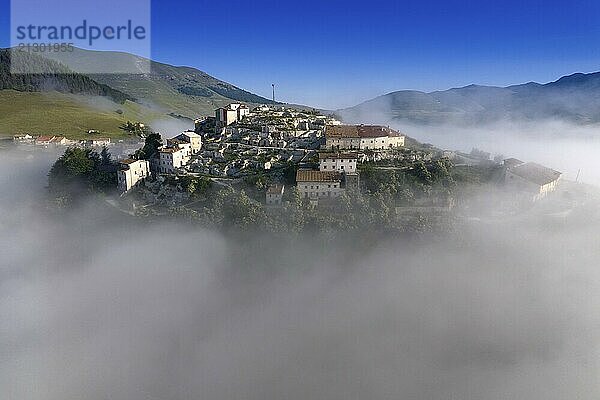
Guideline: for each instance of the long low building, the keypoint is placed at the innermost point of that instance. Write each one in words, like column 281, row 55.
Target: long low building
column 531, row 178
column 316, row 185
column 362, row 137
column 340, row 162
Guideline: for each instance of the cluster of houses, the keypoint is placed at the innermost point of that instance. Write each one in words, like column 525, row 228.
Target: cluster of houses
column 265, row 126
column 177, row 153
column 48, row 141
column 236, row 160
column 170, row 158
column 238, row 141
column 339, row 158
column 337, row 173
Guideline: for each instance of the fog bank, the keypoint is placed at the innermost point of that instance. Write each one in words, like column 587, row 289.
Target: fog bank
column 97, row 306
column 571, row 149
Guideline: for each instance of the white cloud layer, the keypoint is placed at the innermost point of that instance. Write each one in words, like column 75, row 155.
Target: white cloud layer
column 93, row 306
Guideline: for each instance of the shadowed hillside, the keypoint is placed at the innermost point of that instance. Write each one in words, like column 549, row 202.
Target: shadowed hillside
column 182, row 90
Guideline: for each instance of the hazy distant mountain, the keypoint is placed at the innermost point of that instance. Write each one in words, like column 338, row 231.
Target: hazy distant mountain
column 180, row 90
column 574, row 98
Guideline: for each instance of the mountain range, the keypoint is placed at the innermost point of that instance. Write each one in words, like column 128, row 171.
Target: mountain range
column 574, row 98
column 61, row 101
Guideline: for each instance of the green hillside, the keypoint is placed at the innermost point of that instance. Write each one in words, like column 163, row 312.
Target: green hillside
column 66, row 114
column 68, row 103
column 181, row 90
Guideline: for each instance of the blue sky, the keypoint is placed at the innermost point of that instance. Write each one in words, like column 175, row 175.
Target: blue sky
column 333, row 53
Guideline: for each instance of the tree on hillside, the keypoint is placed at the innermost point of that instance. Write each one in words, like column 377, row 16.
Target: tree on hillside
column 151, row 146
column 79, row 172
column 105, row 156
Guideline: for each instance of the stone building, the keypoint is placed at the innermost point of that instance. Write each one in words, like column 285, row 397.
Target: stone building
column 192, row 138
column 274, row 195
column 233, row 112
column 172, row 158
column 533, row 180
column 130, row 172
column 315, row 185
column 340, row 162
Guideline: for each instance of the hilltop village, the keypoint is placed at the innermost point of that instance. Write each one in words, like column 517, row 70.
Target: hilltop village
column 238, row 143
column 279, row 155
column 300, row 169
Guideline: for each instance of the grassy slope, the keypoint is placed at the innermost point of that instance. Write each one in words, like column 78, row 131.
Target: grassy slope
column 182, row 90
column 160, row 94
column 65, row 114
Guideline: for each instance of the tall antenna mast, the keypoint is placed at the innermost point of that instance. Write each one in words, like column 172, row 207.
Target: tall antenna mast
column 273, row 92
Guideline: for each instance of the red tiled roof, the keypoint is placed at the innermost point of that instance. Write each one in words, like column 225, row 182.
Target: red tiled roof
column 348, row 131
column 309, row 175
column 360, row 131
column 376, row 131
